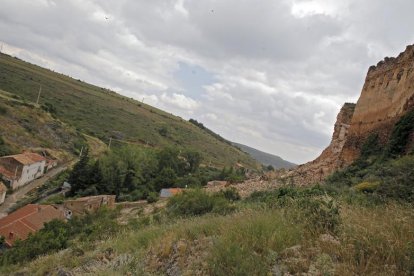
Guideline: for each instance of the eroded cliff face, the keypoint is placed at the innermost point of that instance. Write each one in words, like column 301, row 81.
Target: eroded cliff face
column 330, row 158
column 388, row 93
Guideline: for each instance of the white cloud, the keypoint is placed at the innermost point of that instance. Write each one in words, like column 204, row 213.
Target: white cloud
column 281, row 69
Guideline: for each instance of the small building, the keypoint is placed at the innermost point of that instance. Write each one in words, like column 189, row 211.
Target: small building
column 3, row 191
column 28, row 219
column 18, row 170
column 87, row 205
column 166, row 193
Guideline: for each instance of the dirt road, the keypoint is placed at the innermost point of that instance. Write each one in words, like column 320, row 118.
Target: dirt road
column 19, row 194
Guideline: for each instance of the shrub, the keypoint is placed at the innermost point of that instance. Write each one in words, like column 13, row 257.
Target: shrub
column 163, row 131
column 367, row 186
column 188, row 181
column 371, row 146
column 397, row 179
column 321, row 214
column 400, row 134
column 287, row 195
column 152, row 197
column 4, row 148
column 250, row 244
column 231, row 194
column 196, row 203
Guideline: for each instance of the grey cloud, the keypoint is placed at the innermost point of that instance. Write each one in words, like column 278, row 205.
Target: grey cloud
column 280, row 78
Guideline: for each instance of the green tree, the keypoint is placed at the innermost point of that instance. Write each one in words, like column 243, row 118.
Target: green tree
column 96, row 177
column 166, row 178
column 79, row 177
column 193, row 159
column 168, row 158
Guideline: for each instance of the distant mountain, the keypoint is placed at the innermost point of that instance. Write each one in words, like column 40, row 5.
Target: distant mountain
column 266, row 158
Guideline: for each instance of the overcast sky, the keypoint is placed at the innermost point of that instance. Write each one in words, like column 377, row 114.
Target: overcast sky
column 269, row 74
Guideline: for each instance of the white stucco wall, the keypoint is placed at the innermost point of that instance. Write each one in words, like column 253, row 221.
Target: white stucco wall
column 30, row 173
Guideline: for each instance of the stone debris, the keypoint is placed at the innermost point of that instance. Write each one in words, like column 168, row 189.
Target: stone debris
column 247, row 187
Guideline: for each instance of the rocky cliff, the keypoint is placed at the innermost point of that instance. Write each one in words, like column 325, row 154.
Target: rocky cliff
column 388, row 93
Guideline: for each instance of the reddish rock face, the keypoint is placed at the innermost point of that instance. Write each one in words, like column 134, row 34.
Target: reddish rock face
column 330, row 159
column 388, row 93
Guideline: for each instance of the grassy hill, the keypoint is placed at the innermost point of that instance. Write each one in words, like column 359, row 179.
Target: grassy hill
column 266, row 158
column 105, row 114
column 24, row 126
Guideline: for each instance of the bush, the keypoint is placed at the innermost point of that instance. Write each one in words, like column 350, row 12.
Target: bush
column 321, row 214
column 231, row 194
column 4, row 148
column 400, row 134
column 367, row 186
column 196, row 203
column 397, row 179
column 152, row 197
column 287, row 195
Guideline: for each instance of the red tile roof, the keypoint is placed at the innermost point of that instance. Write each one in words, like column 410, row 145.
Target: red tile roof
column 175, row 191
column 27, row 158
column 26, row 220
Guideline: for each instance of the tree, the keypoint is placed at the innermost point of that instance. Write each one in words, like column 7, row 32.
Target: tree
column 166, row 178
column 79, row 177
column 168, row 158
column 193, row 159
column 96, row 177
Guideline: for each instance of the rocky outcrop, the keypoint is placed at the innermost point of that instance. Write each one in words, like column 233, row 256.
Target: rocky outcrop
column 388, row 93
column 330, row 159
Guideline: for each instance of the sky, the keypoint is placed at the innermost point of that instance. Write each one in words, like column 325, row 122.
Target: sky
column 269, row 74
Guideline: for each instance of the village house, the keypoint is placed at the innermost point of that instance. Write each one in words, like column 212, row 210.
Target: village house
column 169, row 192
column 3, row 190
column 28, row 219
column 87, row 205
column 18, row 170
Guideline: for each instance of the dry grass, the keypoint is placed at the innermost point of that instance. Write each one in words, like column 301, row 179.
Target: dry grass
column 377, row 240
column 371, row 241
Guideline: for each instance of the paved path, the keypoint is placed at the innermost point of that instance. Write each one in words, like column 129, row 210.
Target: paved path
column 20, row 193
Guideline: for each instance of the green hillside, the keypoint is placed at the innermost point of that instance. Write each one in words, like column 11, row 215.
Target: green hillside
column 266, row 158
column 105, row 114
column 23, row 126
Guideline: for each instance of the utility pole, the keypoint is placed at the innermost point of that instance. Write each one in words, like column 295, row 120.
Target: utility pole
column 109, row 144
column 38, row 95
column 80, row 154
